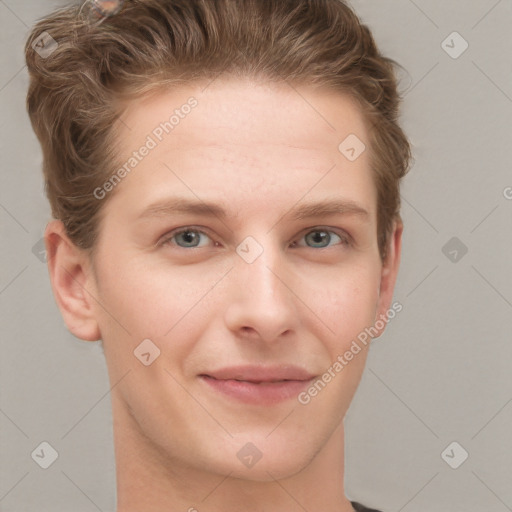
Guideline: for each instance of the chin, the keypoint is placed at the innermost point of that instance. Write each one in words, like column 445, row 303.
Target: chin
column 269, row 470
column 259, row 458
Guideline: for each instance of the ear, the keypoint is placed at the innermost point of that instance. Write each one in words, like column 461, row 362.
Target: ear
column 389, row 274
column 72, row 282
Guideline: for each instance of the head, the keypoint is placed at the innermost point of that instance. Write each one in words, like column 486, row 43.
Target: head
column 224, row 177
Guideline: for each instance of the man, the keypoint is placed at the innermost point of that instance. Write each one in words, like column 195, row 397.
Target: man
column 224, row 177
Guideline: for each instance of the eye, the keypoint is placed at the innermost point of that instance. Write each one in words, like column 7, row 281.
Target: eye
column 322, row 238
column 187, row 238
column 191, row 238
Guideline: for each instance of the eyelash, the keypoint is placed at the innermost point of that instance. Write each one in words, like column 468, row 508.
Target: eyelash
column 345, row 240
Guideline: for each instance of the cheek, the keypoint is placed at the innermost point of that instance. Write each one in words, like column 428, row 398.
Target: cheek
column 344, row 301
column 153, row 300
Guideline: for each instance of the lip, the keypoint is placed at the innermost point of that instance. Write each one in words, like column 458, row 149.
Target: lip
column 259, row 385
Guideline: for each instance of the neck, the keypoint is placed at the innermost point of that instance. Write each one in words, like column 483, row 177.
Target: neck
column 150, row 481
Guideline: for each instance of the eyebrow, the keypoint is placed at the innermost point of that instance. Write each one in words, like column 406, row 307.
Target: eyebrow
column 178, row 205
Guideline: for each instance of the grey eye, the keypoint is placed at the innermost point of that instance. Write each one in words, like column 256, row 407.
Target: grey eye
column 318, row 238
column 189, row 239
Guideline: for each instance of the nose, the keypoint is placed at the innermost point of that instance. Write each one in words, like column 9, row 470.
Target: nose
column 261, row 305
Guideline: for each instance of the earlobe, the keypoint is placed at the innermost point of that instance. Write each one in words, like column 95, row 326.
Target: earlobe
column 72, row 282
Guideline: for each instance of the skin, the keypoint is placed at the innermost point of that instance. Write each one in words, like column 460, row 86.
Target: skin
column 258, row 151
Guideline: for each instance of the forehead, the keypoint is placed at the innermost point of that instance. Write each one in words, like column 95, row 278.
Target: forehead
column 252, row 140
column 282, row 112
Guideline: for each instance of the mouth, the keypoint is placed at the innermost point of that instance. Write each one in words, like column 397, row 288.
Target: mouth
column 258, row 385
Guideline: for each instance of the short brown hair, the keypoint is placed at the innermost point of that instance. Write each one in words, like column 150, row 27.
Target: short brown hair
column 74, row 93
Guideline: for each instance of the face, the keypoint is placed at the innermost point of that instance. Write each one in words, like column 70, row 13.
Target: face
column 243, row 245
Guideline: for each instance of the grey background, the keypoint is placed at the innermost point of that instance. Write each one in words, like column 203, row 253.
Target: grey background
column 440, row 373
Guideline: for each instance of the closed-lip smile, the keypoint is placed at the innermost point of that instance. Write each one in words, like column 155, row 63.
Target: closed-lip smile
column 259, row 385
